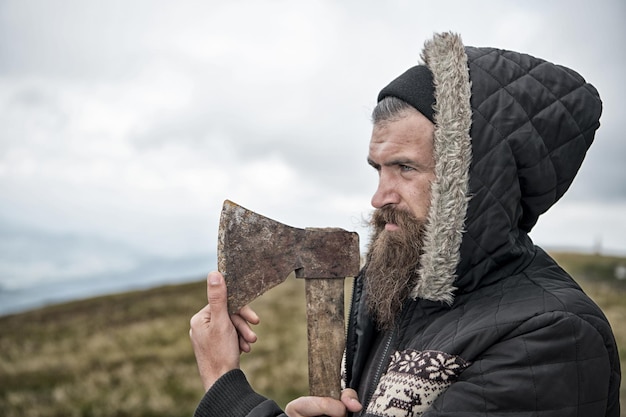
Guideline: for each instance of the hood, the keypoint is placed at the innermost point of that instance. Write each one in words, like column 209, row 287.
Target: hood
column 511, row 132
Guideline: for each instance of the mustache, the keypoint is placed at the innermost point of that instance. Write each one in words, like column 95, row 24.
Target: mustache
column 385, row 215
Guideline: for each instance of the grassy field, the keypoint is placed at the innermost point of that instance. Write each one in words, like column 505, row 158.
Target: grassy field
column 129, row 354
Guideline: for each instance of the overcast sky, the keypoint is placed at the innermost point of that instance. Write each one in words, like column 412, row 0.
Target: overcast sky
column 125, row 124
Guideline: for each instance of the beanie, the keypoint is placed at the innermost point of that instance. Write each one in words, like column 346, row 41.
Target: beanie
column 416, row 88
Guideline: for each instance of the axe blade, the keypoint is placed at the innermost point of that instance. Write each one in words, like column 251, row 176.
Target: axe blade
column 256, row 253
column 247, row 249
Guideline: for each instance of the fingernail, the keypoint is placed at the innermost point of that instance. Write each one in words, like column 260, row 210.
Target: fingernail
column 214, row 279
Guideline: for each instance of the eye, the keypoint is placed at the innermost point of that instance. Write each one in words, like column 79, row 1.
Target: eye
column 405, row 168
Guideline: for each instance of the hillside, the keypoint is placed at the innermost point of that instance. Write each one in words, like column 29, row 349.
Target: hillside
column 129, row 354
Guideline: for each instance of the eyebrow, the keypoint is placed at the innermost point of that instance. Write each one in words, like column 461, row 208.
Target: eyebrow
column 393, row 162
column 372, row 163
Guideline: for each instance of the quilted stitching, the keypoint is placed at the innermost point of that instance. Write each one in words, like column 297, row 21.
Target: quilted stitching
column 532, row 124
column 538, row 97
column 522, row 350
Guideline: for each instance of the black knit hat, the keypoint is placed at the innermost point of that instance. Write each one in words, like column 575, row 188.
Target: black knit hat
column 416, row 88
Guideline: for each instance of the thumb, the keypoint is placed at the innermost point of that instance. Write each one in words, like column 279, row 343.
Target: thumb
column 351, row 400
column 216, row 294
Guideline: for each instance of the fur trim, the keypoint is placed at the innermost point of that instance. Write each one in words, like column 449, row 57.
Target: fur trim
column 445, row 56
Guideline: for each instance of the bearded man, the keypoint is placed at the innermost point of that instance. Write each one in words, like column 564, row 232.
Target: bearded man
column 456, row 311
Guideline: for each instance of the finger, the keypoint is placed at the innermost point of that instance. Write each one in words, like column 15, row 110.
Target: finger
column 243, row 329
column 315, row 406
column 216, row 294
column 249, row 315
column 245, row 333
column 351, row 400
column 244, row 347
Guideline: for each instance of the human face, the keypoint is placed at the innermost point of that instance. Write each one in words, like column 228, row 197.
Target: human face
column 401, row 150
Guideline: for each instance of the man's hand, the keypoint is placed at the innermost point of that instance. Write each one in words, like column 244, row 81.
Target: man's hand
column 324, row 406
column 218, row 338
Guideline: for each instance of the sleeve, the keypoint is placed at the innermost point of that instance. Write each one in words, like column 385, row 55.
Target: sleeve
column 232, row 396
column 554, row 364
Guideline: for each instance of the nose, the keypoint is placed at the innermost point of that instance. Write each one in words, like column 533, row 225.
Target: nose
column 386, row 193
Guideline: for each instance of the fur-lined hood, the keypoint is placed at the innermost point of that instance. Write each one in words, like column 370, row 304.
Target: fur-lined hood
column 511, row 132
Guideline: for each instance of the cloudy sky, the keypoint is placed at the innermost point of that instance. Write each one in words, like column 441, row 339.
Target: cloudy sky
column 125, row 124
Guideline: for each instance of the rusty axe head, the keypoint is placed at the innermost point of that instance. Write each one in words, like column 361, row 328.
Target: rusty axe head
column 255, row 253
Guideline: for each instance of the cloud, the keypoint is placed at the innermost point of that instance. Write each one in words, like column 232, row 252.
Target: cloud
column 132, row 121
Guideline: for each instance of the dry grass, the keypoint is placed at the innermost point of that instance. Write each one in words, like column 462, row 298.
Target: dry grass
column 123, row 355
column 277, row 365
column 129, row 354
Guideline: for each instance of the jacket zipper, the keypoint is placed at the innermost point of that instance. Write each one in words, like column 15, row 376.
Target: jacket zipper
column 385, row 358
column 383, row 363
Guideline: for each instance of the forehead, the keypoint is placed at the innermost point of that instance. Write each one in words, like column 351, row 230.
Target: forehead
column 411, row 133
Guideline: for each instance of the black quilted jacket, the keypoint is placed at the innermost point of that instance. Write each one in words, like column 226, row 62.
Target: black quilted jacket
column 494, row 326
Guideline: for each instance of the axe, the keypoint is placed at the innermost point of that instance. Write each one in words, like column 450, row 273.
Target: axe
column 255, row 254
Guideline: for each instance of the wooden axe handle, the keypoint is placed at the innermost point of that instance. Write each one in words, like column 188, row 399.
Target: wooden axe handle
column 326, row 335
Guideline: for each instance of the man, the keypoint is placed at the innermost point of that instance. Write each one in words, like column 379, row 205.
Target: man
column 456, row 312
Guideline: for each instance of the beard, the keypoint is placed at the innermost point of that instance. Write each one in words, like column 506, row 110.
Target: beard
column 392, row 264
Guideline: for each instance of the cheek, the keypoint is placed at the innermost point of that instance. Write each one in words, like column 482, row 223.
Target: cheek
column 418, row 198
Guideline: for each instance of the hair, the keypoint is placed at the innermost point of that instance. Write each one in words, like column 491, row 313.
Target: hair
column 389, row 109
